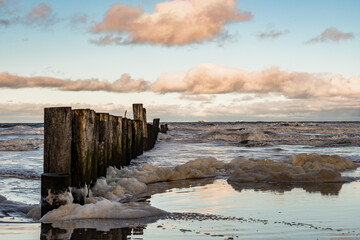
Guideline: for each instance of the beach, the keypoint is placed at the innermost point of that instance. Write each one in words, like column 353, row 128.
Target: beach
column 178, row 201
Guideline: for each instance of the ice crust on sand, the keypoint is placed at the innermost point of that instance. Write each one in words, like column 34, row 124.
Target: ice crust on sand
column 102, row 209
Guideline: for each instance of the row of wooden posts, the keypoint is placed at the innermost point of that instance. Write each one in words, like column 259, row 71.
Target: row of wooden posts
column 80, row 144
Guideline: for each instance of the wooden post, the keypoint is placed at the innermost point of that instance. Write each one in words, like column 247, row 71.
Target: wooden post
column 137, row 139
column 83, row 146
column 156, row 123
column 103, row 143
column 57, row 140
column 145, row 131
column 118, row 142
column 140, row 114
column 54, row 184
column 111, row 160
column 57, row 156
column 129, row 141
column 96, row 157
column 124, row 140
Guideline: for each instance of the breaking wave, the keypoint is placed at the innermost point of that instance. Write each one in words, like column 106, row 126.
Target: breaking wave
column 269, row 134
column 19, row 144
column 21, row 129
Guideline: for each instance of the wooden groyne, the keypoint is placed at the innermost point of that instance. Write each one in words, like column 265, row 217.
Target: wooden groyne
column 80, row 144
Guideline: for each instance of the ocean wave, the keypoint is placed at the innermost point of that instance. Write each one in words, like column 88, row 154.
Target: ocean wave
column 19, row 173
column 19, row 144
column 22, row 130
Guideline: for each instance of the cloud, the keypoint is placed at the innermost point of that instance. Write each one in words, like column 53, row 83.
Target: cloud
column 106, row 40
column 214, row 79
column 199, row 98
column 123, row 84
column 39, row 13
column 265, row 110
column 4, row 22
column 79, row 19
column 333, row 35
column 211, row 79
column 271, row 34
column 176, row 22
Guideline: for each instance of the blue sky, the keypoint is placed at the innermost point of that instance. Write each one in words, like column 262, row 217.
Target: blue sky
column 56, row 47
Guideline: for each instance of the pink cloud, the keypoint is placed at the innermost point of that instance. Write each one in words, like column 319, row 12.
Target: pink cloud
column 106, row 40
column 208, row 79
column 41, row 12
column 332, row 34
column 214, row 79
column 176, row 22
column 123, row 84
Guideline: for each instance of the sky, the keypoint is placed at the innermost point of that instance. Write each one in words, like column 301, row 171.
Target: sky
column 185, row 60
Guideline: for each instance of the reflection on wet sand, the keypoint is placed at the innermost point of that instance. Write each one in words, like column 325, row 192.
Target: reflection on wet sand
column 122, row 229
column 50, row 232
column 323, row 188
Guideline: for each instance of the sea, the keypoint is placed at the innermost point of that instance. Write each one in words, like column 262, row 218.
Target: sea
column 202, row 180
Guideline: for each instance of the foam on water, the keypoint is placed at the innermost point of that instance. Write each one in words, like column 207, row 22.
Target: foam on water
column 114, row 196
column 102, row 209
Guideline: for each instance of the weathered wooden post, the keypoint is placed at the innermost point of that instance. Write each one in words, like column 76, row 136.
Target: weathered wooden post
column 129, row 141
column 83, row 148
column 57, row 140
column 103, row 143
column 156, row 123
column 95, row 162
column 118, row 154
column 140, row 114
column 124, row 141
column 57, row 156
column 137, row 139
column 111, row 150
column 53, row 185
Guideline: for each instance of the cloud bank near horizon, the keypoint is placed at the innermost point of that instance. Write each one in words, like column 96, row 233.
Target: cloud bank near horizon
column 122, row 85
column 176, row 22
column 277, row 110
column 207, row 78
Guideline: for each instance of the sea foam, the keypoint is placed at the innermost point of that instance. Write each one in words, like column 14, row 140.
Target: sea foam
column 112, row 196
